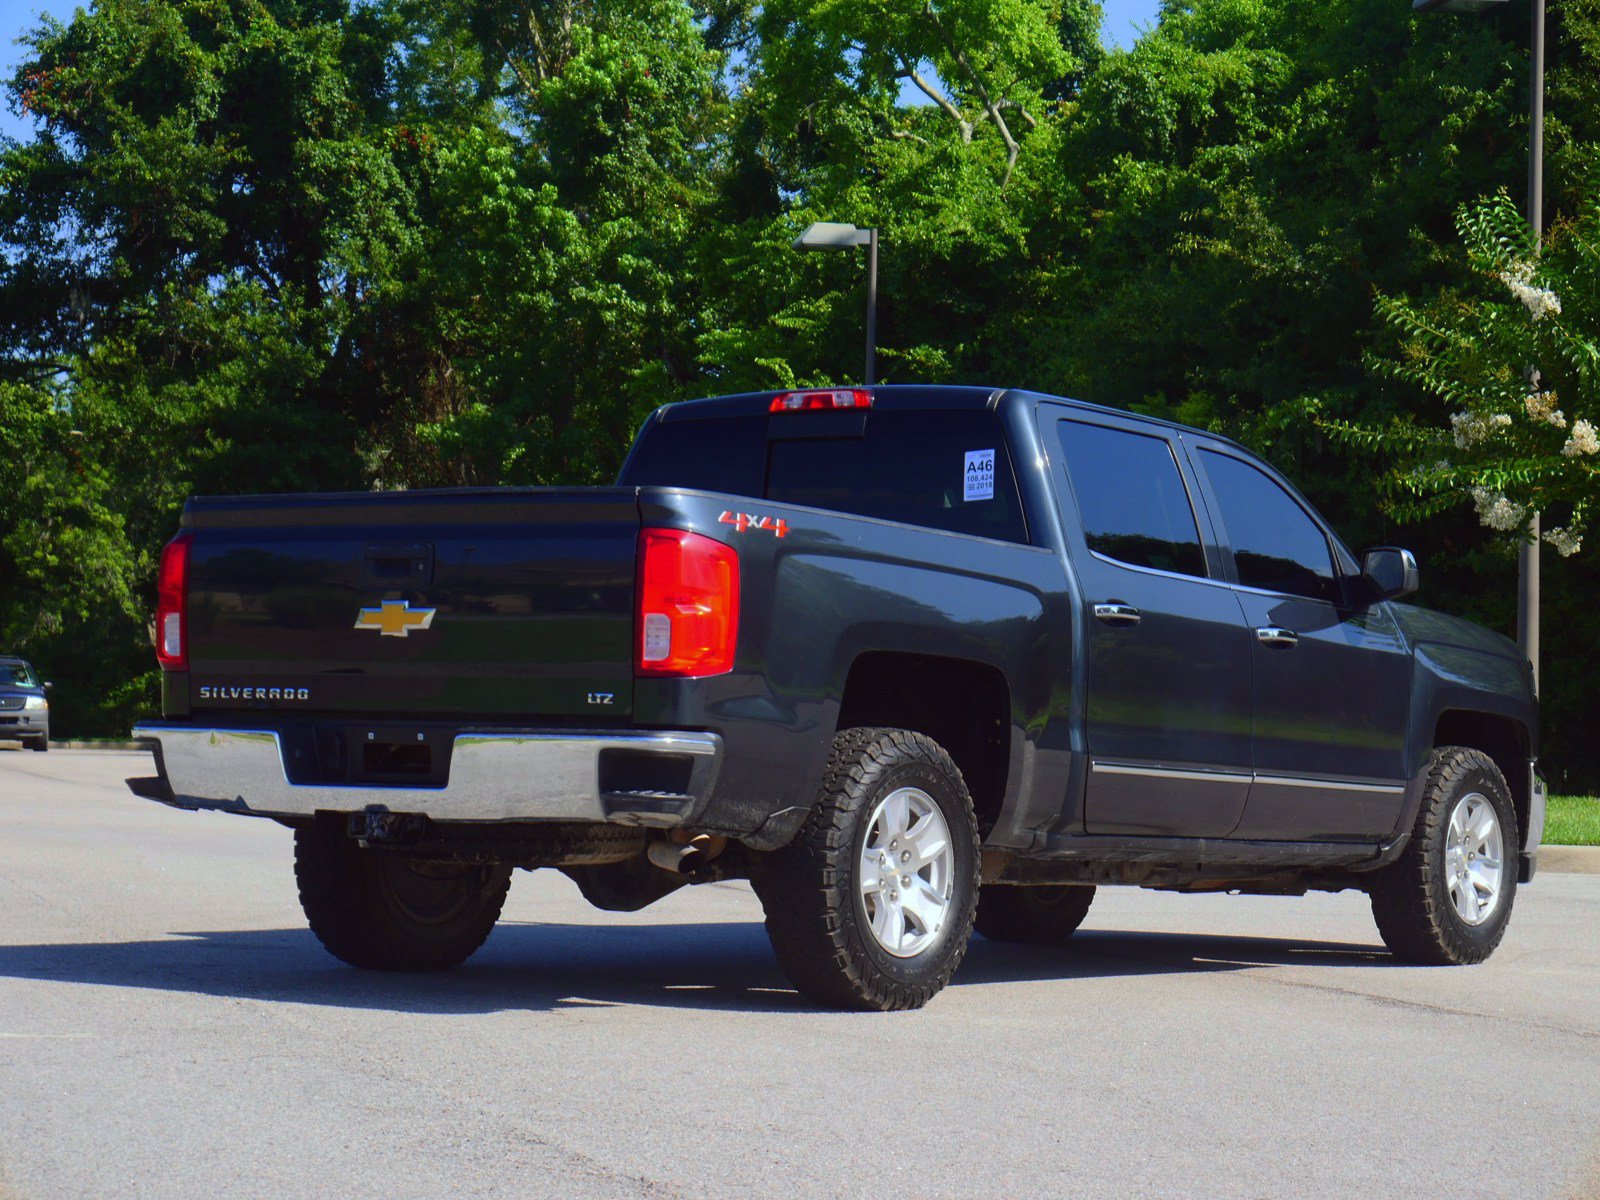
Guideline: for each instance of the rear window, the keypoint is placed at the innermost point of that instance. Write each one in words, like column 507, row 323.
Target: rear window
column 940, row 468
column 725, row 454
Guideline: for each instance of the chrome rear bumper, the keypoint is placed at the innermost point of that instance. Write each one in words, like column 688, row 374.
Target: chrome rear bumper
column 524, row 776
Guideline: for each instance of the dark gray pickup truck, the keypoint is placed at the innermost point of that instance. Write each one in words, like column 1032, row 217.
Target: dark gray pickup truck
column 909, row 659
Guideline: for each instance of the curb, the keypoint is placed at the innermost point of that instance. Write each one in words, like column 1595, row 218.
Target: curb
column 1569, row 860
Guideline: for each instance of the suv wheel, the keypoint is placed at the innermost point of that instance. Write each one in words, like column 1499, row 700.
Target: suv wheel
column 1448, row 897
column 870, row 907
column 41, row 744
column 387, row 912
column 1042, row 915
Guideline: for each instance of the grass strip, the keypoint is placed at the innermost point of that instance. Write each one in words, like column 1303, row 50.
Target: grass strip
column 1572, row 821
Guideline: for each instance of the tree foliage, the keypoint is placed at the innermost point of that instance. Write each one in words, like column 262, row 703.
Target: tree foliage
column 266, row 245
column 1517, row 361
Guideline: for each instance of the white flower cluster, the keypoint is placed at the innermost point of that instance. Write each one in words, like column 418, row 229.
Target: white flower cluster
column 1496, row 511
column 1470, row 427
column 1583, row 440
column 1540, row 302
column 1541, row 406
column 1566, row 542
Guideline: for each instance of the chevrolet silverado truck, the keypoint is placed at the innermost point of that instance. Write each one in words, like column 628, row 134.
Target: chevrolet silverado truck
column 912, row 660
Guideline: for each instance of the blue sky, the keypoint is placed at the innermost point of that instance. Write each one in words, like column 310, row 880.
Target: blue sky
column 1123, row 20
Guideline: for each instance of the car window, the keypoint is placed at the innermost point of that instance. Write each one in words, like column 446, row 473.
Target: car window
column 942, row 468
column 1276, row 545
column 719, row 454
column 16, row 675
column 1131, row 498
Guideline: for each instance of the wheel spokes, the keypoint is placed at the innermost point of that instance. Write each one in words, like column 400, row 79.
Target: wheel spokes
column 892, row 821
column 925, row 906
column 928, row 846
column 889, row 923
column 1481, row 825
column 904, row 870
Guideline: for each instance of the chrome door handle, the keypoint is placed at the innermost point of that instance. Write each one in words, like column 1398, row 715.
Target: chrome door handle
column 1277, row 638
column 1116, row 613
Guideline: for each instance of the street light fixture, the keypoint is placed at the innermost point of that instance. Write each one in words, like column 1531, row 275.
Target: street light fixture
column 1528, row 558
column 830, row 235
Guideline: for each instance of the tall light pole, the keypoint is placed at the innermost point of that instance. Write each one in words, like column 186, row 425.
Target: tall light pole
column 829, row 235
column 1528, row 555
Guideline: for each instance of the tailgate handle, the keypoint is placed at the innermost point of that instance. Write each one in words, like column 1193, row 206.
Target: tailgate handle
column 389, row 565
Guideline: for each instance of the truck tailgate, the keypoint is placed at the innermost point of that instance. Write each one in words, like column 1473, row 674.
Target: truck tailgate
column 462, row 602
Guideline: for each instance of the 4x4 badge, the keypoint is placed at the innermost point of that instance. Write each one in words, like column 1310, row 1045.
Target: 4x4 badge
column 396, row 618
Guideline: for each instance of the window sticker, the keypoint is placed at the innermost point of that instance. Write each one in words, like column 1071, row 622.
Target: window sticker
column 978, row 476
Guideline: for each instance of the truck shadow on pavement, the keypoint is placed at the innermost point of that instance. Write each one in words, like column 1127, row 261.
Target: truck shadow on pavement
column 550, row 967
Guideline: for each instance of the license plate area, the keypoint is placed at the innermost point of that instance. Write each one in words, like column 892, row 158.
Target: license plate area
column 398, row 755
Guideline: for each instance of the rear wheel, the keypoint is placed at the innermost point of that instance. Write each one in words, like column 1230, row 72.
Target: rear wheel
column 1042, row 915
column 870, row 907
column 387, row 912
column 1448, row 898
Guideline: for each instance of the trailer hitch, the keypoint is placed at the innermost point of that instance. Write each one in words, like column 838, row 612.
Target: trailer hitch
column 380, row 827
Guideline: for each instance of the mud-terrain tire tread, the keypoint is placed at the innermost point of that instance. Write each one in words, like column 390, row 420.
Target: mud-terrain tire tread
column 1041, row 916
column 1409, row 901
column 806, row 888
column 340, row 891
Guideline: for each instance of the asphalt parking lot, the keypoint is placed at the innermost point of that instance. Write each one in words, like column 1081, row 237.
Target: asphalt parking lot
column 168, row 1028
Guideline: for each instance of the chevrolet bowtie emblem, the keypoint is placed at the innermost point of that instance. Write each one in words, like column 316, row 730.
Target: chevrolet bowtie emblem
column 395, row 619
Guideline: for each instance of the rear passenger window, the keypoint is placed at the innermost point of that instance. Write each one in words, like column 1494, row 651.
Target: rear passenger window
column 1276, row 546
column 943, row 468
column 1131, row 498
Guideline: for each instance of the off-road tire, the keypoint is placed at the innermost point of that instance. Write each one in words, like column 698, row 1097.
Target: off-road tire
column 815, row 917
column 1410, row 901
column 1039, row 915
column 40, row 745
column 366, row 910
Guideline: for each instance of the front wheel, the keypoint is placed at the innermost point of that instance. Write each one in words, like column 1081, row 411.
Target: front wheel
column 386, row 912
column 1447, row 899
column 871, row 906
column 42, row 744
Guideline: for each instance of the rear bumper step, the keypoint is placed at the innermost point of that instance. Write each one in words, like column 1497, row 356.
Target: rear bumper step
column 535, row 775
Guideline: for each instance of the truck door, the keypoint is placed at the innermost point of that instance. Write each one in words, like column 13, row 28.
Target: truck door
column 1332, row 680
column 1168, row 709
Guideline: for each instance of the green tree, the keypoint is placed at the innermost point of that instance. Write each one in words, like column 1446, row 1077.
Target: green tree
column 1515, row 363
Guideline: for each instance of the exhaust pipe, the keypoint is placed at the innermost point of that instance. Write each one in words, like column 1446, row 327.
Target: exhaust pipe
column 684, row 858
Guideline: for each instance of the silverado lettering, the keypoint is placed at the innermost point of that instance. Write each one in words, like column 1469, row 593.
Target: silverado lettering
column 213, row 692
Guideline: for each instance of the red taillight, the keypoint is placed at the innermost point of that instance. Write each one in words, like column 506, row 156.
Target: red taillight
column 824, row 398
column 688, row 604
column 172, row 607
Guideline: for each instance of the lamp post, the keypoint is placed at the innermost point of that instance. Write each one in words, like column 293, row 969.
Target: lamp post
column 1528, row 556
column 830, row 235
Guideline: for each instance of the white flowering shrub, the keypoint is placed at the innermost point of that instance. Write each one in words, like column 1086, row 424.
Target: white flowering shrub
column 1514, row 364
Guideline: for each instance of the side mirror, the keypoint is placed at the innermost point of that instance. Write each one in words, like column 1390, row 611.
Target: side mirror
column 47, row 686
column 1392, row 572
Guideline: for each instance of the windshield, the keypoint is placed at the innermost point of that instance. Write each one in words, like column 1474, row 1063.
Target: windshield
column 17, row 675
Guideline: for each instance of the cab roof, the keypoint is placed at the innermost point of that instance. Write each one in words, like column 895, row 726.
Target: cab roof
column 912, row 396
